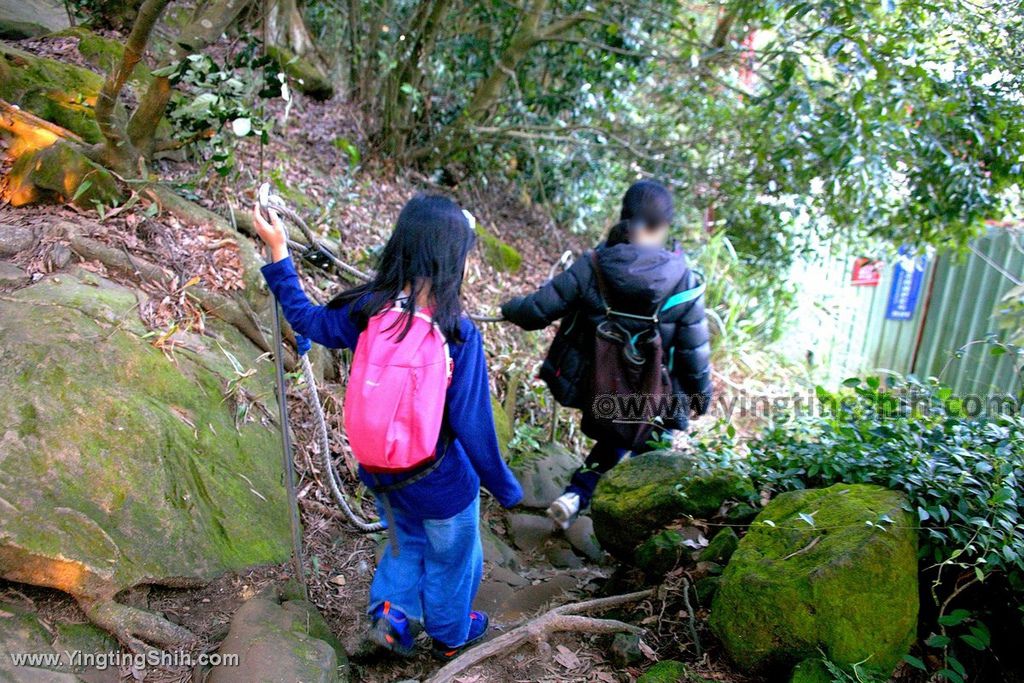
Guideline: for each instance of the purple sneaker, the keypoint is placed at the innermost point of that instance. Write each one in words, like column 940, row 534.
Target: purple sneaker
column 478, row 622
column 392, row 630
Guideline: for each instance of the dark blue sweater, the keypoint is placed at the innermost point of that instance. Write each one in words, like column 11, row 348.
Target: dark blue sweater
column 472, row 456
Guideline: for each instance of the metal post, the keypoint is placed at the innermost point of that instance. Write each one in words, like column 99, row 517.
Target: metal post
column 286, row 450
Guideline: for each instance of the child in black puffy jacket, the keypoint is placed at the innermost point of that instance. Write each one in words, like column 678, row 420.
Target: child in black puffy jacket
column 640, row 277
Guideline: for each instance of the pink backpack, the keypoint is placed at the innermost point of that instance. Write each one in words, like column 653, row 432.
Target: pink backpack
column 394, row 403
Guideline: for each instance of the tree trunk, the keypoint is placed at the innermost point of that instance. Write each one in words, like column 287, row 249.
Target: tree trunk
column 397, row 111
column 489, row 90
column 287, row 39
column 209, row 22
column 118, row 151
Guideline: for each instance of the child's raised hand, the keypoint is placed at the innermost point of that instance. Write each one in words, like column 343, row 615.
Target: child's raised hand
column 273, row 233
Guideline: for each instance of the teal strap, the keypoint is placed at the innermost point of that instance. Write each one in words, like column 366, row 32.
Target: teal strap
column 683, row 297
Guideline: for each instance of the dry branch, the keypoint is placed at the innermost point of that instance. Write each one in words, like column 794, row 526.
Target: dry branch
column 558, row 619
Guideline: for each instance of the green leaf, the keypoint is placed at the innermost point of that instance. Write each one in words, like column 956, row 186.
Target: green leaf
column 955, row 617
column 938, row 640
column 915, row 662
column 973, row 641
column 82, row 188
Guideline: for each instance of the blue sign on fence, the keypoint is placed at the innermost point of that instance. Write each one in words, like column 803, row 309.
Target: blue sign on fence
column 907, row 276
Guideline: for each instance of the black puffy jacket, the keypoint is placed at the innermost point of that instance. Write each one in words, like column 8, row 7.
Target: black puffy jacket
column 638, row 280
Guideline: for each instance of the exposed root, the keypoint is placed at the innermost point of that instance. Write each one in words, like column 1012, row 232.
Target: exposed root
column 559, row 619
column 136, row 628
column 214, row 303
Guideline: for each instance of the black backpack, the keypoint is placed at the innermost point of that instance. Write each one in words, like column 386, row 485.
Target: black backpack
column 629, row 387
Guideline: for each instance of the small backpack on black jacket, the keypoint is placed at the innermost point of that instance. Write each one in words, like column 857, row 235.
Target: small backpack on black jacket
column 629, row 385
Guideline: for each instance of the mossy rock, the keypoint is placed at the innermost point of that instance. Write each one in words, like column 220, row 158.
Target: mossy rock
column 670, row 671
column 721, row 547
column 12, row 29
column 278, row 636
column 103, row 54
column 120, row 463
column 309, row 79
column 61, row 93
column 21, row 631
column 841, row 586
column 543, row 473
column 644, row 494
column 501, row 256
column 811, row 671
column 660, row 553
column 502, row 426
column 60, row 173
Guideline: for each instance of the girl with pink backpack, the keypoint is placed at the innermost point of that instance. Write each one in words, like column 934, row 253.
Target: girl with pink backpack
column 418, row 418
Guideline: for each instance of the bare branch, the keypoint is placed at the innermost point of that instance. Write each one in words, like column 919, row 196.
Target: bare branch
column 558, row 619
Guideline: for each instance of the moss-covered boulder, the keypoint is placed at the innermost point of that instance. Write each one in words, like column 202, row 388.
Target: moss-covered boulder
column 309, row 78
column 103, row 54
column 665, row 550
column 60, row 93
column 60, row 173
column 543, row 473
column 499, row 254
column 279, row 636
column 671, row 671
column 121, row 463
column 722, row 546
column 811, row 671
column 645, row 494
column 12, row 29
column 831, row 570
column 502, row 426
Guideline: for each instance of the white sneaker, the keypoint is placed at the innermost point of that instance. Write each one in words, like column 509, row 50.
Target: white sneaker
column 565, row 509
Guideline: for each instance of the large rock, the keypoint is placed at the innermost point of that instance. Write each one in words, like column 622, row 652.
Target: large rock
column 502, row 426
column 543, row 473
column 644, row 494
column 50, row 14
column 499, row 254
column 278, row 637
column 51, row 90
column 121, row 463
column 841, row 586
column 60, row 173
column 22, row 633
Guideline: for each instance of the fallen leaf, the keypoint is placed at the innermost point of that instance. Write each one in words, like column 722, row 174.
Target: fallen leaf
column 567, row 657
column 647, row 651
column 338, row 580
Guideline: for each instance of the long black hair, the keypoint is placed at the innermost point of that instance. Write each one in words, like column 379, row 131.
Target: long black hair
column 428, row 248
column 646, row 204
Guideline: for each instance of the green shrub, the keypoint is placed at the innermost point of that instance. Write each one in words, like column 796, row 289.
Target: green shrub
column 961, row 473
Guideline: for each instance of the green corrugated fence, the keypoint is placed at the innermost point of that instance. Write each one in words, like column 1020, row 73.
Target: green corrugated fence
column 844, row 330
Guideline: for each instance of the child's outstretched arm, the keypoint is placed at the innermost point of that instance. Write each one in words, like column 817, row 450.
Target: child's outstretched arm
column 470, row 416
column 549, row 303
column 331, row 327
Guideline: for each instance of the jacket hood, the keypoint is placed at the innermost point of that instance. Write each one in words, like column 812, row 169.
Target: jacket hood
column 638, row 277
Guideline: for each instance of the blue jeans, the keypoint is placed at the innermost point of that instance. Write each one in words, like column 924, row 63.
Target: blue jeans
column 435, row 576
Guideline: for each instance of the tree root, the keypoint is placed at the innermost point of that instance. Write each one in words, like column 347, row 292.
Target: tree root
column 214, row 303
column 559, row 619
column 134, row 628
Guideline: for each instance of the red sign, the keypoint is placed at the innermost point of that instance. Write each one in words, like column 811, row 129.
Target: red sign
column 866, row 272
